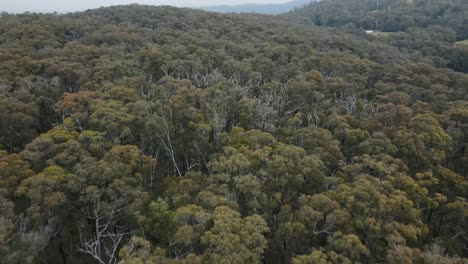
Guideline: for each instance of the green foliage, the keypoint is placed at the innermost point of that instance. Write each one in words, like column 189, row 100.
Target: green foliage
column 140, row 134
column 233, row 239
column 418, row 26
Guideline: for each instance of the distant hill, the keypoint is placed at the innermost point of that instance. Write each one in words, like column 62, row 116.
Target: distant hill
column 387, row 15
column 258, row 8
column 437, row 29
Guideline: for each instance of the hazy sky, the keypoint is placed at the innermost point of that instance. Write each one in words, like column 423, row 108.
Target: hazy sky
column 16, row 6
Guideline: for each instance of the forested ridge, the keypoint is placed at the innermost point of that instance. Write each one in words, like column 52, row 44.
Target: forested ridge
column 428, row 27
column 141, row 134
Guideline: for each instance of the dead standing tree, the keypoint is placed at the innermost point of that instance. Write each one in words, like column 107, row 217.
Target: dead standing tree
column 107, row 232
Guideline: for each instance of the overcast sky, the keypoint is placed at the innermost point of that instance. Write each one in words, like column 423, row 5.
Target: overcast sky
column 19, row 6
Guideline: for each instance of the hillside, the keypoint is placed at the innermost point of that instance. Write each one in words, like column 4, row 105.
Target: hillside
column 258, row 8
column 389, row 15
column 142, row 134
column 420, row 26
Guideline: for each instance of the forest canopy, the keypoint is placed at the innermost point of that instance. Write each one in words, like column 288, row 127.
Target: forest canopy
column 141, row 134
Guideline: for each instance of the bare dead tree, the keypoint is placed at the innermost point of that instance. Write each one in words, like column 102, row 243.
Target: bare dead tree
column 311, row 114
column 350, row 104
column 264, row 116
column 166, row 142
column 29, row 241
column 107, row 234
column 272, row 105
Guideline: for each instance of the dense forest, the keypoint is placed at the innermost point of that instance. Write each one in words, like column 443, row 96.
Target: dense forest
column 428, row 27
column 141, row 134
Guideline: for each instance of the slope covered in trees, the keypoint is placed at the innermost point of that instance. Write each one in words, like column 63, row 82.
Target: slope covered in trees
column 138, row 134
column 389, row 15
column 430, row 27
